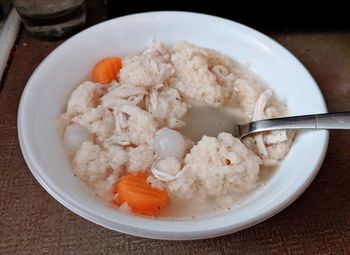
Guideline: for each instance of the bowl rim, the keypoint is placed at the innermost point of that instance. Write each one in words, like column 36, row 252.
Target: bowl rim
column 124, row 227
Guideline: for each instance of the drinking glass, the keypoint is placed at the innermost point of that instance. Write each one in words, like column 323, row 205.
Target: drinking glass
column 51, row 18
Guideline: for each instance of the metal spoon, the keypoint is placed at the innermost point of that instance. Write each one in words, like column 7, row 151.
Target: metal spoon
column 337, row 120
column 211, row 121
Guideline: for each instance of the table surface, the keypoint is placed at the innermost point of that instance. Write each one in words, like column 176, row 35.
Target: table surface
column 32, row 222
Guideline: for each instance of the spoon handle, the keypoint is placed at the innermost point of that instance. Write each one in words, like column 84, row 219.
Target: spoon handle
column 337, row 120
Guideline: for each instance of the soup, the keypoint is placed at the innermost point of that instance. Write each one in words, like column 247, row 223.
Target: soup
column 151, row 133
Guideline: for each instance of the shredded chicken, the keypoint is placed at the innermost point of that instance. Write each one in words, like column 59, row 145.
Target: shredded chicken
column 167, row 106
column 166, row 169
column 120, row 95
column 223, row 75
column 272, row 146
column 259, row 115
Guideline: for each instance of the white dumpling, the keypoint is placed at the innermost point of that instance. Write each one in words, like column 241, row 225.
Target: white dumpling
column 74, row 136
column 169, row 143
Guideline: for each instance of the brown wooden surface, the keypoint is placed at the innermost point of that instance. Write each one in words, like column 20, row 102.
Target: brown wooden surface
column 32, row 222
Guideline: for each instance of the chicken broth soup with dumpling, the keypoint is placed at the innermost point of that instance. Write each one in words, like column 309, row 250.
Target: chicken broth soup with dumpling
column 151, row 133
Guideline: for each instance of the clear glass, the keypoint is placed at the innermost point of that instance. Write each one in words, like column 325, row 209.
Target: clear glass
column 51, row 18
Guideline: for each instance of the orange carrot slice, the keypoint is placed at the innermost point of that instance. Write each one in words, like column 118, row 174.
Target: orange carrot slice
column 140, row 196
column 106, row 70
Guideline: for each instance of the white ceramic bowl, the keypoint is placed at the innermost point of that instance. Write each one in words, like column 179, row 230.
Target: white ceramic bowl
column 52, row 82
